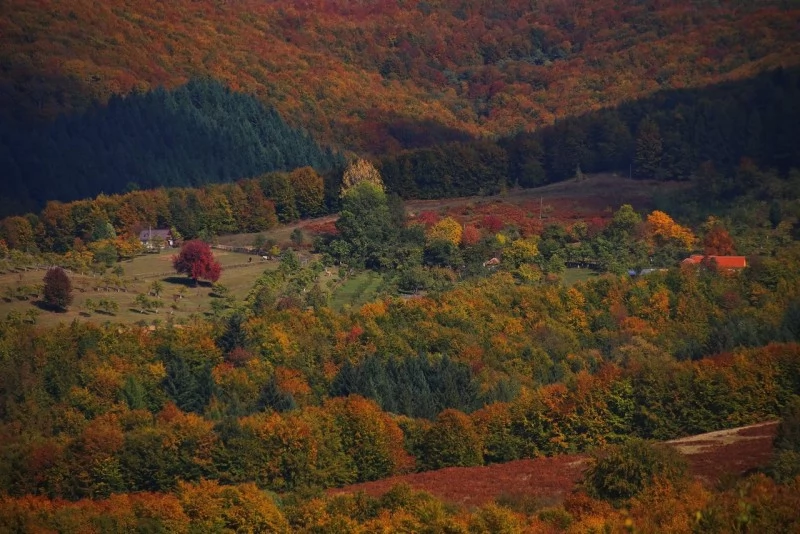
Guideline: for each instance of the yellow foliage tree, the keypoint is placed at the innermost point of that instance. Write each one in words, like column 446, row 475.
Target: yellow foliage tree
column 521, row 251
column 128, row 248
column 360, row 171
column 448, row 229
column 662, row 229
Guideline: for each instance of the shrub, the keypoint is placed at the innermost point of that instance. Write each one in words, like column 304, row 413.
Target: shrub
column 451, row 441
column 620, row 472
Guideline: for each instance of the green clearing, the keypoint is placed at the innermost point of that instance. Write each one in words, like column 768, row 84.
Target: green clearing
column 573, row 275
column 357, row 290
column 180, row 298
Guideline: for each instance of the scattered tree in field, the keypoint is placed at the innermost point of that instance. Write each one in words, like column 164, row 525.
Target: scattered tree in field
column 196, row 260
column 32, row 315
column 57, row 288
column 367, row 232
column 156, row 288
column 142, row 302
column 108, row 306
column 259, row 241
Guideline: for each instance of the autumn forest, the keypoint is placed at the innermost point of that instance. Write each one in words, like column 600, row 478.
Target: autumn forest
column 255, row 256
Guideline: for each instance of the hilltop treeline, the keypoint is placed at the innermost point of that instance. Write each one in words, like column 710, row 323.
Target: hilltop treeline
column 669, row 135
column 199, row 133
column 252, row 205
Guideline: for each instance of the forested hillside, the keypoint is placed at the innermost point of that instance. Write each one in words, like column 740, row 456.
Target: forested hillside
column 597, row 315
column 379, row 76
column 707, row 134
column 718, row 136
column 196, row 134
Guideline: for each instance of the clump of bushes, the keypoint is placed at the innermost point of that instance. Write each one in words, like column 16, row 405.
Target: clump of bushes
column 621, row 472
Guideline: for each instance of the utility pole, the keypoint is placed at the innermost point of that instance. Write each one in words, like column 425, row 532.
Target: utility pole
column 541, row 200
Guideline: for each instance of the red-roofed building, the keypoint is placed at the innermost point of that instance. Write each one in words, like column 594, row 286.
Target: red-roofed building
column 722, row 262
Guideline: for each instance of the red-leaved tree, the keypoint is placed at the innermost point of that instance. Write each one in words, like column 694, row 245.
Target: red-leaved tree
column 196, row 260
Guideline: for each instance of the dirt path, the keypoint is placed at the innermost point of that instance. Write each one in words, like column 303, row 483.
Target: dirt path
column 546, row 480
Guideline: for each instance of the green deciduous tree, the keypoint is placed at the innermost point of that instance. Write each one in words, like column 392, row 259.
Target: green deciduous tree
column 309, row 191
column 365, row 225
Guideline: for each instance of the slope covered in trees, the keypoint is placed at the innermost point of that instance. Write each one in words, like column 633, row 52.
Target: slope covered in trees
column 702, row 133
column 390, row 74
column 196, row 134
column 716, row 135
column 279, row 393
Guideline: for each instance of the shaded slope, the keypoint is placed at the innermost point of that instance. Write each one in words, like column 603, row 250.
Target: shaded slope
column 197, row 134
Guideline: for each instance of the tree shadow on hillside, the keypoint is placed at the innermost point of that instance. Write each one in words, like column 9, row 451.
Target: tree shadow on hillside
column 181, row 281
column 44, row 306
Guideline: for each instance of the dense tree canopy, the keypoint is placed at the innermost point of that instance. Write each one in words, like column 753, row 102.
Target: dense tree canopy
column 392, row 74
column 196, row 134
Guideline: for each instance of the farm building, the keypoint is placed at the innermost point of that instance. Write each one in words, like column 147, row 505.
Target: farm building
column 722, row 262
column 152, row 238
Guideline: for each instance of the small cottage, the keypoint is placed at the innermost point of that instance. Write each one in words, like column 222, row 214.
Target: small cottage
column 156, row 238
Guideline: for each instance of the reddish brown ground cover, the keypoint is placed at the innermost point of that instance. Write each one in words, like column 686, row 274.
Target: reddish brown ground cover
column 711, row 457
column 731, row 452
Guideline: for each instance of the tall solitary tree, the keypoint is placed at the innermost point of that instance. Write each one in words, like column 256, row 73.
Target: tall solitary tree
column 57, row 288
column 196, row 261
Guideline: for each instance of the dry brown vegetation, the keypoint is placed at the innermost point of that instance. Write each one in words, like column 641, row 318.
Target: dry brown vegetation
column 712, row 457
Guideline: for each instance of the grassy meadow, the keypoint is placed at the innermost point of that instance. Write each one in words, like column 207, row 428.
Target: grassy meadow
column 180, row 297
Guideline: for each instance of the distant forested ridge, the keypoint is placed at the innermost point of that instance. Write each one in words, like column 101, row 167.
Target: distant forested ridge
column 386, row 75
column 669, row 135
column 197, row 134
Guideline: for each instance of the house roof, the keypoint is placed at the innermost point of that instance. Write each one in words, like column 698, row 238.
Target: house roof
column 147, row 235
column 723, row 262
